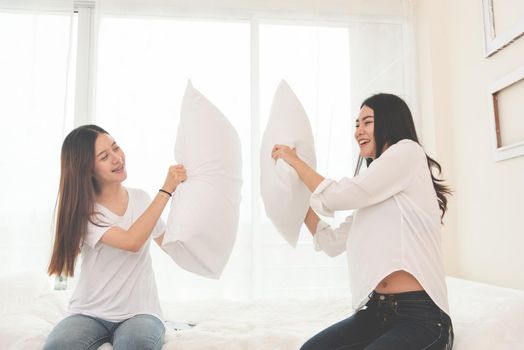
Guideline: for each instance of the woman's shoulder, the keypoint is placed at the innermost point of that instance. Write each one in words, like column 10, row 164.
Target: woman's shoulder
column 408, row 143
column 406, row 148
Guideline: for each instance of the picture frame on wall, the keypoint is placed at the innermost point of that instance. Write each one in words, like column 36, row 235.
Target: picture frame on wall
column 506, row 115
column 503, row 24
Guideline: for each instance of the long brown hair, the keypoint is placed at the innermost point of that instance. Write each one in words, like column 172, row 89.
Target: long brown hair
column 76, row 197
column 394, row 122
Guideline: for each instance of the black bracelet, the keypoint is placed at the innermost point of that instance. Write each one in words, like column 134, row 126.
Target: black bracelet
column 169, row 194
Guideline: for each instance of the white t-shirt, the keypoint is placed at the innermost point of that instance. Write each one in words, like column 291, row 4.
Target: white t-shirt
column 396, row 225
column 115, row 284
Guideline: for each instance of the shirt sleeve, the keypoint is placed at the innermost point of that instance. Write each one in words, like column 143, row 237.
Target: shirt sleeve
column 94, row 233
column 332, row 241
column 387, row 175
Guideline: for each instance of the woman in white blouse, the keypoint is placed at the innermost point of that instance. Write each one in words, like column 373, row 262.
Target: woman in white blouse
column 392, row 239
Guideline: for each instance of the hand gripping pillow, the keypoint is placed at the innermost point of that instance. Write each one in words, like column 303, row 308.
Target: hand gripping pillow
column 204, row 214
column 285, row 196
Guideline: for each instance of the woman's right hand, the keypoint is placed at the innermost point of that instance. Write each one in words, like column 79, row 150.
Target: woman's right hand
column 175, row 175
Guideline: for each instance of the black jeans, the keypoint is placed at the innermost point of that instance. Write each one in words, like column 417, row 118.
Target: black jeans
column 403, row 321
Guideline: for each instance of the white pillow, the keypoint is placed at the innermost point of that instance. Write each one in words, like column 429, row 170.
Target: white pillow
column 285, row 196
column 203, row 219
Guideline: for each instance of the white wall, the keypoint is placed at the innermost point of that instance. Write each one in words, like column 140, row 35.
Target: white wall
column 484, row 234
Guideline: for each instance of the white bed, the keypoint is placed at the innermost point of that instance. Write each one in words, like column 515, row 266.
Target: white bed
column 484, row 316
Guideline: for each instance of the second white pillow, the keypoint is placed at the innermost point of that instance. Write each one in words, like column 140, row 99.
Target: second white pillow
column 286, row 198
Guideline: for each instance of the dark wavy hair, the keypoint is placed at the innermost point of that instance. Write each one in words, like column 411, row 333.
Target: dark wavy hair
column 394, row 122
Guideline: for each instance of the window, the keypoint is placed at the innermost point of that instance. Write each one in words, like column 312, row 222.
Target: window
column 142, row 67
column 314, row 60
column 37, row 89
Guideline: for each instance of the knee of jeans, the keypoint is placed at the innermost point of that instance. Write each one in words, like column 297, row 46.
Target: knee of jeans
column 49, row 345
column 140, row 341
column 143, row 343
column 60, row 343
column 309, row 345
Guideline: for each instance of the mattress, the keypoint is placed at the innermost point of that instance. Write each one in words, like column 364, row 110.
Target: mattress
column 484, row 317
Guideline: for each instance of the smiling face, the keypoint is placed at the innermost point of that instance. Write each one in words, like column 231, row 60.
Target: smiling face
column 364, row 132
column 110, row 164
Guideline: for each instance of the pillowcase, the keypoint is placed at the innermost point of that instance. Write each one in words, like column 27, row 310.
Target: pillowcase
column 203, row 219
column 286, row 198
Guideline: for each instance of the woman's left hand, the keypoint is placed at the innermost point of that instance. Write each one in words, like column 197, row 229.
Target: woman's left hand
column 286, row 153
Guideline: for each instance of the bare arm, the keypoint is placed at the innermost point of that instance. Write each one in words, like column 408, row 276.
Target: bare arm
column 134, row 238
column 311, row 221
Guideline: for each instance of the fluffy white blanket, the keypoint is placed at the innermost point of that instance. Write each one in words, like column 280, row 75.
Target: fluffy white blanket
column 484, row 317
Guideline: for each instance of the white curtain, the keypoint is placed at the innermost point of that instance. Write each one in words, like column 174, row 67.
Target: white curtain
column 134, row 59
column 143, row 63
column 36, row 89
column 142, row 70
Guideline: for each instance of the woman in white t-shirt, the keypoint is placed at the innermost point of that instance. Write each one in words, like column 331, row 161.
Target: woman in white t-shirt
column 392, row 239
column 111, row 227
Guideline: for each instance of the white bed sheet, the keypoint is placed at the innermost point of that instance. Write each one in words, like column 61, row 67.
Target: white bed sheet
column 484, row 317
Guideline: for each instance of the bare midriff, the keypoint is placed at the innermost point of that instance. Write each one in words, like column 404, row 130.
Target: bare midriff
column 398, row 282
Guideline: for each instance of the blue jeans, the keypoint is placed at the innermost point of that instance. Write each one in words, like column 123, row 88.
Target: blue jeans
column 402, row 321
column 80, row 332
